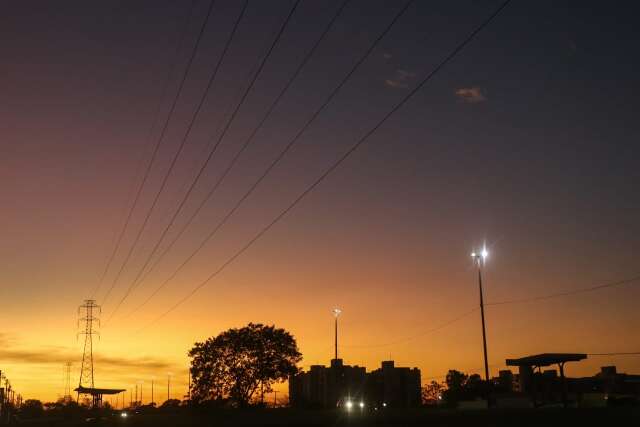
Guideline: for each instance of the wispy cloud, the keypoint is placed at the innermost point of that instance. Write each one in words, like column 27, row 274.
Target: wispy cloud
column 400, row 80
column 470, row 95
column 55, row 355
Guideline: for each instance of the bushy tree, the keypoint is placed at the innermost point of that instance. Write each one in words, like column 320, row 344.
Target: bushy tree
column 432, row 393
column 31, row 408
column 463, row 387
column 170, row 404
column 237, row 363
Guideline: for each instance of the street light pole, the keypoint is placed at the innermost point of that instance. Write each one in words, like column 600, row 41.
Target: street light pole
column 336, row 312
column 168, row 385
column 480, row 258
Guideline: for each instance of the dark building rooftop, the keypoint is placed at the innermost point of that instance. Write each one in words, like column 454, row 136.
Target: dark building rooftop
column 339, row 385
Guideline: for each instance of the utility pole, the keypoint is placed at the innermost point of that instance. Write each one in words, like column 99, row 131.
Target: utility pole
column 89, row 308
column 336, row 312
column 2, row 408
column 152, row 391
column 168, row 385
column 480, row 259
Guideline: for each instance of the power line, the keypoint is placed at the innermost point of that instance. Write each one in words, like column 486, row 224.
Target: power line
column 283, row 152
column 340, row 160
column 158, row 143
column 628, row 353
column 211, row 154
column 568, row 293
column 593, row 288
column 182, row 145
column 246, row 143
column 620, row 282
column 172, row 67
column 410, row 338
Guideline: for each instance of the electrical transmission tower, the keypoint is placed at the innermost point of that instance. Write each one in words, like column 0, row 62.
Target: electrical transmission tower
column 67, row 382
column 87, row 313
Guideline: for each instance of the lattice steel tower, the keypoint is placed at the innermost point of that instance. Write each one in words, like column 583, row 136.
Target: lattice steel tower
column 67, row 382
column 88, row 312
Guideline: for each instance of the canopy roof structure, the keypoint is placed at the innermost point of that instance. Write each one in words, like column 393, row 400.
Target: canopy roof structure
column 528, row 363
column 546, row 359
column 98, row 391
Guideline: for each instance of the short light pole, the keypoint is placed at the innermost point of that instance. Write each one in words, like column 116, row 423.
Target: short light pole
column 168, row 385
column 336, row 312
column 152, row 390
column 480, row 258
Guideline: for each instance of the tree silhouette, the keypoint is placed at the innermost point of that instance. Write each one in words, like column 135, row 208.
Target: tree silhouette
column 463, row 387
column 31, row 408
column 170, row 404
column 235, row 364
column 432, row 393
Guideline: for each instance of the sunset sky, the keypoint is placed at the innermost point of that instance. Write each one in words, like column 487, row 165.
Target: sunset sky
column 527, row 140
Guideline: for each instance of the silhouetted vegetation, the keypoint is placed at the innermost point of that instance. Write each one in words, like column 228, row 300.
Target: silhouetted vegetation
column 463, row 387
column 170, row 404
column 432, row 393
column 233, row 366
column 31, row 408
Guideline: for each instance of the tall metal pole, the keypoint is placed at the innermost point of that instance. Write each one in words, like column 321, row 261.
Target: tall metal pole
column 479, row 258
column 336, row 340
column 168, row 385
column 151, row 390
column 336, row 312
column 484, row 332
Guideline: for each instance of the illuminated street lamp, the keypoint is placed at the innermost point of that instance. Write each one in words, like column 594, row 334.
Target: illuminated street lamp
column 336, row 312
column 480, row 258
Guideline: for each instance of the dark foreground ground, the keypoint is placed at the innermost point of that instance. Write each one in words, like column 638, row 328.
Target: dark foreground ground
column 601, row 417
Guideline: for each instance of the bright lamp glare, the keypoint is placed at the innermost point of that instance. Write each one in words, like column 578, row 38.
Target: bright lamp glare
column 123, row 415
column 362, row 404
column 485, row 253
